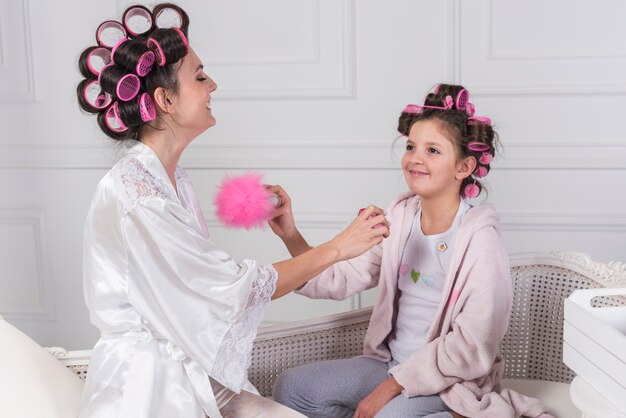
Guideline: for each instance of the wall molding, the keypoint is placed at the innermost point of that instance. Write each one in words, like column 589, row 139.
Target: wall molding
column 503, row 56
column 29, row 95
column 35, row 218
column 525, row 89
column 370, row 155
column 335, row 220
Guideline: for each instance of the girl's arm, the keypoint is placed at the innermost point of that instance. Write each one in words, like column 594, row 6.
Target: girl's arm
column 342, row 279
column 360, row 236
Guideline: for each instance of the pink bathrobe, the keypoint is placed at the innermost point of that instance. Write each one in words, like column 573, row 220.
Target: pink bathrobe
column 461, row 360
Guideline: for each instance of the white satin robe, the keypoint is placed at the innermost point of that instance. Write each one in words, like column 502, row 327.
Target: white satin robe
column 171, row 306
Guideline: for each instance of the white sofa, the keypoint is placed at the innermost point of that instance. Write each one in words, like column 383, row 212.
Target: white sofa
column 532, row 347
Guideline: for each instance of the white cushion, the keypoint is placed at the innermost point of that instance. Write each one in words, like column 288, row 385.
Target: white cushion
column 554, row 396
column 32, row 382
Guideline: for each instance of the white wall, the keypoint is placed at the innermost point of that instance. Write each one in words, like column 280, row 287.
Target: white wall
column 309, row 94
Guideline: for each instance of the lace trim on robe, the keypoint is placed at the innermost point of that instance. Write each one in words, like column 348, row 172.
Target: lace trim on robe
column 234, row 357
column 139, row 183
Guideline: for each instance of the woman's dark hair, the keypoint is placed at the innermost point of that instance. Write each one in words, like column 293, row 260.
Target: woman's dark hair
column 461, row 128
column 172, row 45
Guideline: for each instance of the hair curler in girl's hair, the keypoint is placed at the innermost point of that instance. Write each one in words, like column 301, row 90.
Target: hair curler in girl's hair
column 243, row 202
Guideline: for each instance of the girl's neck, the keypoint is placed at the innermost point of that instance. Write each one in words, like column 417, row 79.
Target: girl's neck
column 438, row 213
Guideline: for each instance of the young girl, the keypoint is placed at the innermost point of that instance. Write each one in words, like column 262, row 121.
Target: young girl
column 444, row 300
column 177, row 315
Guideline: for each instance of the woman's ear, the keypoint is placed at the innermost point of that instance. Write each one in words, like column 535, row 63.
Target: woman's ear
column 163, row 99
column 465, row 167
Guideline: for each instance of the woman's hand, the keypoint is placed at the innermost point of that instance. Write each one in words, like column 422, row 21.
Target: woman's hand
column 282, row 221
column 369, row 228
column 283, row 224
column 375, row 401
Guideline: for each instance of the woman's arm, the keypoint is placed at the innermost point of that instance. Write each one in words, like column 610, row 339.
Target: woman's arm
column 361, row 235
column 284, row 225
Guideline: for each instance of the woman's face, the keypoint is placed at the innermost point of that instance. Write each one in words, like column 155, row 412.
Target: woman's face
column 193, row 99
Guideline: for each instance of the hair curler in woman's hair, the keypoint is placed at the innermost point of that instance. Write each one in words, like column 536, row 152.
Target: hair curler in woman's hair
column 243, row 201
column 109, row 33
column 113, row 120
column 147, row 109
column 137, row 20
column 91, row 97
column 92, row 60
column 167, row 48
column 120, row 84
column 133, row 56
column 168, row 15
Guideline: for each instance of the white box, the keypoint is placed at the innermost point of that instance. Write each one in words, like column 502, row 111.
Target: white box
column 594, row 345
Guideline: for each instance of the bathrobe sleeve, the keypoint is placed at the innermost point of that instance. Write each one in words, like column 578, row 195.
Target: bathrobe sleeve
column 344, row 279
column 192, row 293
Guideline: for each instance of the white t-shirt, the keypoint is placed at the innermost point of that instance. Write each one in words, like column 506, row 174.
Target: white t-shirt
column 421, row 277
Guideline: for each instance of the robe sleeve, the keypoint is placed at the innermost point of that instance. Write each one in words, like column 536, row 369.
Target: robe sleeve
column 192, row 293
column 344, row 279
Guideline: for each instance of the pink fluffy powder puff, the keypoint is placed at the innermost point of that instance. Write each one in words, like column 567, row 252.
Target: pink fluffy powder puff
column 243, row 201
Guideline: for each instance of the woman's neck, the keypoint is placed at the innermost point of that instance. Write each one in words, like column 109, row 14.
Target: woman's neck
column 438, row 213
column 168, row 148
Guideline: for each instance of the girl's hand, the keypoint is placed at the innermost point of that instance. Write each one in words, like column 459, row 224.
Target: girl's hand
column 282, row 221
column 369, row 228
column 375, row 401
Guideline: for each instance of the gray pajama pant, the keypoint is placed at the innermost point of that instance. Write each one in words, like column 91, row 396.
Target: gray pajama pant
column 334, row 388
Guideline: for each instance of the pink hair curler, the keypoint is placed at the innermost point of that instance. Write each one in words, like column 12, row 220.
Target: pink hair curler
column 145, row 63
column 471, row 191
column 168, row 17
column 127, row 87
column 109, row 32
column 485, row 159
column 413, row 108
column 112, row 119
column 243, row 201
column 182, row 36
column 95, row 97
column 98, row 59
column 117, row 44
column 448, row 102
column 470, row 109
column 478, row 146
column 147, row 110
column 481, row 119
column 137, row 20
column 102, row 71
column 462, row 99
column 155, row 47
column 480, row 171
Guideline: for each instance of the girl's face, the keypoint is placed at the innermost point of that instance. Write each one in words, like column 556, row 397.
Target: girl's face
column 430, row 162
column 193, row 100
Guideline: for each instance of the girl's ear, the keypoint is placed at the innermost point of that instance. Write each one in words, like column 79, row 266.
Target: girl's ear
column 163, row 99
column 465, row 167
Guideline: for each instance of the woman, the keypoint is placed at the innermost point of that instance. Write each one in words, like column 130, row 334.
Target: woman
column 172, row 307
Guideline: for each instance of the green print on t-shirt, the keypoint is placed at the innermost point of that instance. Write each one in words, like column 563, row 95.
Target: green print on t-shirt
column 415, row 275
